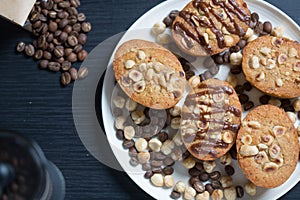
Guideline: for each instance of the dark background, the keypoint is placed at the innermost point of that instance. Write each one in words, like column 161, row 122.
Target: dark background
column 33, row 102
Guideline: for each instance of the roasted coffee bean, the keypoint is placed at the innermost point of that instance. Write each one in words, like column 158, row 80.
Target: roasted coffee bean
column 72, row 57
column 157, row 170
column 132, row 152
column 54, row 66
column 38, row 54
column 199, row 166
column 66, row 65
column 82, row 72
column 229, row 170
column 47, row 55
column 86, row 27
column 248, row 105
column 159, row 156
column 234, row 49
column 148, row 174
column 68, row 51
column 68, row 29
column 189, row 74
column 72, row 20
column 50, row 47
column 128, row 143
column 44, row 29
column 63, row 23
column 64, row 4
column 267, row 27
column 218, row 59
column 134, row 161
column 74, row 73
column 199, row 186
column 239, row 89
column 264, row 99
column 239, row 191
column 175, row 195
column 156, row 163
column 193, row 180
column 37, row 24
column 169, row 161
column 146, row 167
column 20, row 47
column 207, row 75
column 216, row 184
column 168, row 21
column 41, row 42
column 82, row 38
column 81, row 17
column 242, row 43
column 72, row 41
column 258, row 28
column 59, row 60
column 62, row 15
column 77, row 27
column 120, row 134
column 243, row 98
column 194, row 172
column 56, row 42
column 236, row 69
column 35, row 16
column 289, row 108
column 50, row 37
column 52, row 14
column 187, row 66
column 162, row 136
column 247, row 86
column 57, row 33
column 43, row 64
column 226, row 57
column 233, row 152
column 58, row 52
column 215, row 175
column 52, row 27
column 263, row 33
column 168, row 170
column 209, row 188
column 173, row 14
column 82, row 55
column 204, row 176
column 29, row 50
column 254, row 17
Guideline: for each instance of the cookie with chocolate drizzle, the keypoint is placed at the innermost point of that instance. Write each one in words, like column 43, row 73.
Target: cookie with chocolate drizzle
column 211, row 117
column 209, row 27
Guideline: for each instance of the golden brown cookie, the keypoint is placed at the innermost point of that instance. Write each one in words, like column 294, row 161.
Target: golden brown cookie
column 267, row 146
column 211, row 116
column 272, row 65
column 149, row 74
column 208, row 27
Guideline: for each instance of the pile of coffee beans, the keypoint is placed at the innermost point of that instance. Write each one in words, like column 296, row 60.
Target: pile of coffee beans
column 60, row 32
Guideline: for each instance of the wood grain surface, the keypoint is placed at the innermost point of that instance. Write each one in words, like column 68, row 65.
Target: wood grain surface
column 33, row 103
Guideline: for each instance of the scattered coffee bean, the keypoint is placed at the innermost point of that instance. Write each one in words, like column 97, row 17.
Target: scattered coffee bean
column 38, row 54
column 193, row 180
column 29, row 50
column 66, row 65
column 148, row 174
column 134, row 161
column 243, row 98
column 120, row 134
column 264, row 99
column 199, row 186
column 236, row 69
column 47, row 55
column 248, row 105
column 209, row 188
column 54, row 66
column 239, row 191
column 258, row 28
column 169, row 161
column 162, row 136
column 204, row 176
column 86, row 27
column 215, row 175
column 234, row 49
column 173, row 14
column 168, row 21
column 72, row 57
column 146, row 167
column 194, row 172
column 226, row 57
column 43, row 64
column 229, row 170
column 65, row 78
column 199, row 166
column 267, row 27
column 82, row 72
column 218, row 59
column 175, row 195
column 216, row 184
column 242, row 43
column 128, row 143
column 247, row 86
column 239, row 89
column 189, row 74
column 157, row 170
column 156, row 163
column 168, row 170
column 132, row 152
column 82, row 55
column 254, row 17
column 20, row 47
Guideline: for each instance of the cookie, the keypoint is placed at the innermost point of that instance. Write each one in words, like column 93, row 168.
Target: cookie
column 149, row 74
column 211, row 116
column 208, row 27
column 267, row 146
column 272, row 64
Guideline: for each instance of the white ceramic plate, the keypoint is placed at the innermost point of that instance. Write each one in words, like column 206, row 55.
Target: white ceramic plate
column 141, row 29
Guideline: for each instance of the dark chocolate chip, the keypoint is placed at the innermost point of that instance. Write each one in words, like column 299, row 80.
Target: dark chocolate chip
column 247, row 86
column 264, row 99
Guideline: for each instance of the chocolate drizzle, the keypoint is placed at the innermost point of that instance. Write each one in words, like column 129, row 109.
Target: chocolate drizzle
column 230, row 7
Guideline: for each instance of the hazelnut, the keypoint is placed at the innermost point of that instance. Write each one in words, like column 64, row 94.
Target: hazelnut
column 129, row 64
column 293, row 52
column 265, row 51
column 141, row 55
column 274, row 151
column 228, row 40
column 158, row 28
column 279, row 82
column 277, row 31
column 217, row 194
column 138, row 116
column 226, row 159
column 194, row 81
column 252, row 38
column 189, row 193
column 236, row 58
column 267, row 139
column 163, row 38
column 226, row 181
column 296, row 67
column 155, row 144
column 277, row 42
column 270, row 167
column 250, row 188
column 119, row 122
column 188, row 163
column 248, row 150
column 135, row 75
column 141, row 144
column 261, row 157
column 143, row 157
column 271, row 64
column 227, row 137
column 130, row 105
column 203, row 196
column 119, row 102
column 248, row 33
column 157, row 180
column 282, row 59
column 139, row 86
column 175, row 123
column 254, row 124
column 169, row 181
column 261, row 76
column 255, row 62
column 129, row 132
column 167, row 147
column 232, row 80
column 292, row 116
column 279, row 131
column 262, row 146
column 230, row 193
column 209, row 166
column 296, row 105
column 180, row 187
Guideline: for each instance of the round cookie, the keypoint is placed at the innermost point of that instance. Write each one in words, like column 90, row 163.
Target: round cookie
column 210, row 119
column 272, row 65
column 267, row 146
column 208, row 27
column 149, row 74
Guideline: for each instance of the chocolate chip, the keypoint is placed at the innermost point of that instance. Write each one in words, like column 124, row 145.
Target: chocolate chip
column 229, row 170
column 215, row 175
column 267, row 27
column 248, row 105
column 199, row 186
column 239, row 89
column 194, row 172
column 204, row 176
column 243, row 98
column 239, row 191
column 264, row 99
column 120, row 134
column 247, row 86
column 175, row 195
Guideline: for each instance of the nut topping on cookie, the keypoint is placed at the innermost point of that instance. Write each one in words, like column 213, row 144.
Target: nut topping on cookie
column 248, row 150
column 261, row 157
column 270, row 167
column 279, row 131
column 129, row 64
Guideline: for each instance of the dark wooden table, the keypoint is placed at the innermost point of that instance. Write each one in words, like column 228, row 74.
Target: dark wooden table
column 33, row 102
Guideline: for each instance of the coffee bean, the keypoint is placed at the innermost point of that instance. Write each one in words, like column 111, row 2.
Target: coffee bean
column 194, row 172
column 68, row 29
column 72, row 41
column 37, row 24
column 168, row 21
column 74, row 73
column 236, row 69
column 247, row 86
column 193, row 180
column 50, row 48
column 215, row 175
column 120, row 134
column 175, row 195
column 207, row 75
column 216, row 184
column 173, row 14
column 239, row 191
column 134, row 161
column 52, row 27
column 47, row 55
column 75, row 3
column 229, row 170
column 82, row 55
column 38, row 54
column 72, row 57
column 77, row 27
column 209, row 188
column 233, row 152
column 54, row 66
column 239, row 89
column 248, row 105
column 29, row 50
column 267, row 27
column 50, row 37
column 169, row 161
column 258, row 28
column 234, row 49
column 63, row 15
column 199, row 166
column 63, row 23
column 254, row 17
column 82, row 72
column 34, row 17
column 264, row 99
column 199, row 186
column 156, row 163
column 20, row 47
column 204, row 176
column 168, row 170
column 226, row 57
column 146, row 167
column 66, row 65
column 56, row 42
column 82, row 38
column 159, row 156
column 86, row 27
column 242, row 43
column 218, row 59
column 162, row 136
column 189, row 74
column 59, row 60
column 58, row 52
column 43, row 64
column 72, row 20
column 68, row 51
column 148, row 174
column 243, row 98
column 128, row 143
column 157, row 170
column 132, row 152
column 81, row 17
